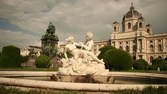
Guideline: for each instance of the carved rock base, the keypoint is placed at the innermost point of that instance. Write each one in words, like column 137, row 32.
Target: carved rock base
column 83, row 78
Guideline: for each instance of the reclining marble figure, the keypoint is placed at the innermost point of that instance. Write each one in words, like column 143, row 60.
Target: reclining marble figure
column 83, row 60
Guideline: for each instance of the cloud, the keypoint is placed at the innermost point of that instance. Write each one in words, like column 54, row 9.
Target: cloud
column 17, row 38
column 76, row 17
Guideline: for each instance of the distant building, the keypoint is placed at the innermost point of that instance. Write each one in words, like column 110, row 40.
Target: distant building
column 24, row 52
column 31, row 50
column 100, row 44
column 137, row 38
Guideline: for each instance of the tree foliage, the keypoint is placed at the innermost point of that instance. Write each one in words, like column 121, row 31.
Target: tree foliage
column 24, row 58
column 140, row 64
column 103, row 50
column 42, row 61
column 10, row 57
column 159, row 62
column 116, row 59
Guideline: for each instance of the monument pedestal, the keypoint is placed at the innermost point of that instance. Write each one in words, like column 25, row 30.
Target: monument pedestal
column 83, row 78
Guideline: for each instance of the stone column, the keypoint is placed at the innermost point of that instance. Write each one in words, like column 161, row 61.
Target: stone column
column 164, row 45
column 144, row 57
column 143, row 45
column 124, row 45
column 138, row 46
column 147, row 46
column 156, row 46
column 131, row 46
column 116, row 44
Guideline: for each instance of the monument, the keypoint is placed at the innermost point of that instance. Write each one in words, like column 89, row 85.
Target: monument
column 82, row 65
column 49, row 41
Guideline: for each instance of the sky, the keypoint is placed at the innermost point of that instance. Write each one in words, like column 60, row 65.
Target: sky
column 23, row 22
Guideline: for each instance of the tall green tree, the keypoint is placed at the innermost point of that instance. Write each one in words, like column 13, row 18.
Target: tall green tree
column 116, row 59
column 10, row 57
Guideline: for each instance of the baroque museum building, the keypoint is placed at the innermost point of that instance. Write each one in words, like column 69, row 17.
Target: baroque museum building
column 137, row 38
column 134, row 36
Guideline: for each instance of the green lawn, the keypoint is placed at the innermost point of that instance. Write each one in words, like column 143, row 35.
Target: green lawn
column 4, row 90
column 28, row 69
column 134, row 71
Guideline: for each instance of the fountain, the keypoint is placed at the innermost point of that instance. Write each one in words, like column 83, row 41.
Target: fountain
column 83, row 65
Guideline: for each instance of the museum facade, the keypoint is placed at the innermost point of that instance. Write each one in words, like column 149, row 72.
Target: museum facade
column 137, row 38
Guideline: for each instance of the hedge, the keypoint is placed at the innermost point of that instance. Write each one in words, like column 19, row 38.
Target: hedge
column 10, row 57
column 42, row 61
column 117, row 59
column 140, row 64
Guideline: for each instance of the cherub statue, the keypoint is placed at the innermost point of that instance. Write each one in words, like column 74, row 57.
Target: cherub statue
column 83, row 60
column 71, row 47
column 89, row 44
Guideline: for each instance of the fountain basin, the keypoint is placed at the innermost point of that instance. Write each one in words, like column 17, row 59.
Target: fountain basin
column 83, row 78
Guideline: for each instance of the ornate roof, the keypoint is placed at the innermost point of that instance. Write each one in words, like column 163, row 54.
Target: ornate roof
column 132, row 13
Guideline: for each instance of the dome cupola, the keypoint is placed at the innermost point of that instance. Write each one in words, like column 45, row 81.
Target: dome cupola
column 132, row 12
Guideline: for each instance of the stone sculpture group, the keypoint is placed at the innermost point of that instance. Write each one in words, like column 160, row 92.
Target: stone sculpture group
column 83, row 60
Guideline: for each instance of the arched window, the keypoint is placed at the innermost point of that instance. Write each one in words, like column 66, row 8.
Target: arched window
column 120, row 47
column 160, row 47
column 134, row 57
column 151, row 59
column 113, row 43
column 129, row 25
column 166, row 60
column 151, row 48
column 127, row 48
column 140, row 25
column 148, row 30
column 159, row 57
column 115, row 28
column 151, row 41
column 140, row 56
column 134, row 48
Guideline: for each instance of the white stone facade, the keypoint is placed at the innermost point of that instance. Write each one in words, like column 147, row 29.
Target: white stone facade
column 137, row 38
